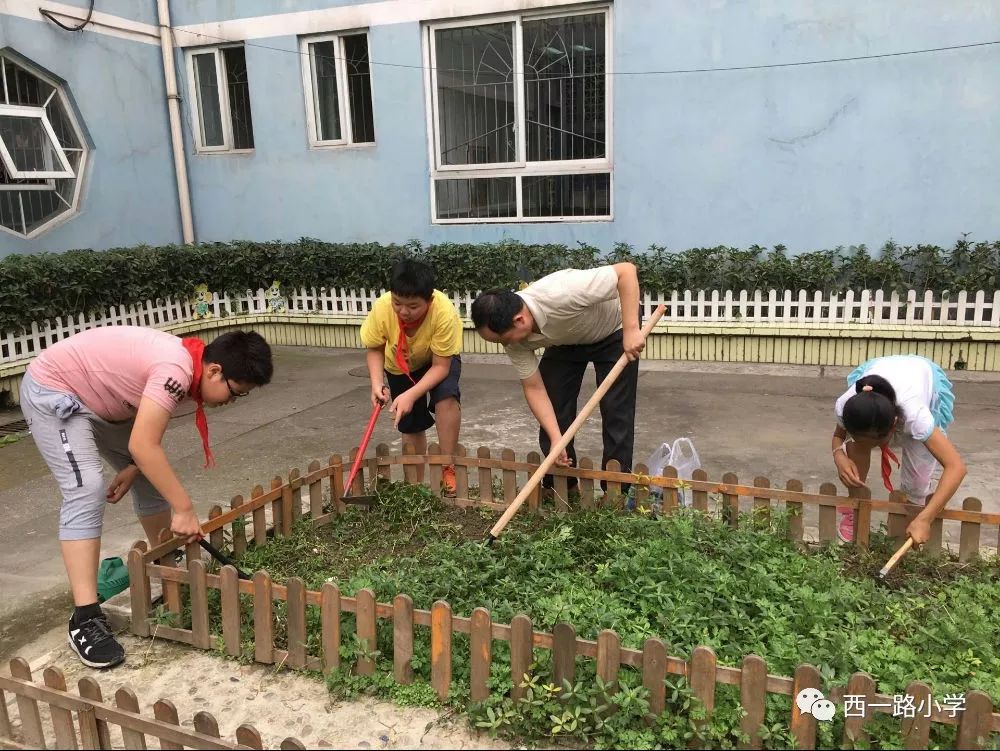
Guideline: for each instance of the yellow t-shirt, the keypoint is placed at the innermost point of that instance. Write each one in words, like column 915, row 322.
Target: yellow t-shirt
column 440, row 333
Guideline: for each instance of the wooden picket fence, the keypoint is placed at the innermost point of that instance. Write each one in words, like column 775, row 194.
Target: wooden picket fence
column 498, row 480
column 94, row 718
column 773, row 307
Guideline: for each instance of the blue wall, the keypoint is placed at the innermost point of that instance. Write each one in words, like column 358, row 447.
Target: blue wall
column 286, row 190
column 143, row 11
column 129, row 194
column 184, row 12
column 811, row 156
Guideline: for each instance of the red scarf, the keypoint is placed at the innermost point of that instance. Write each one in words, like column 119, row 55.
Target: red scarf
column 403, row 346
column 196, row 348
column 886, row 467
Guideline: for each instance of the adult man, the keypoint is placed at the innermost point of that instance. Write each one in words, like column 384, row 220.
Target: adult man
column 579, row 317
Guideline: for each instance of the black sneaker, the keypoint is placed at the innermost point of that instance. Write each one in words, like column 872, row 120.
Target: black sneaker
column 94, row 643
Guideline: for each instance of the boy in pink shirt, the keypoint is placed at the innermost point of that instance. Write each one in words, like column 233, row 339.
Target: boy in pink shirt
column 109, row 393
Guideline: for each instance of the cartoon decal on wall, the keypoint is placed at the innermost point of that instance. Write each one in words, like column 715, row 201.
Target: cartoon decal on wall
column 202, row 302
column 276, row 302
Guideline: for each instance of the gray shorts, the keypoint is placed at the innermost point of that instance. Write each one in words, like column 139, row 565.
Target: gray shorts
column 73, row 440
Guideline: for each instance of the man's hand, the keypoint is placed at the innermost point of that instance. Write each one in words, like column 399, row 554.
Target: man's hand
column 122, row 483
column 380, row 395
column 401, row 407
column 633, row 344
column 564, row 460
column 920, row 530
column 186, row 524
column 847, row 470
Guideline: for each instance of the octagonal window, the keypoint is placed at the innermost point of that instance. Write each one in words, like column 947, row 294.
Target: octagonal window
column 43, row 151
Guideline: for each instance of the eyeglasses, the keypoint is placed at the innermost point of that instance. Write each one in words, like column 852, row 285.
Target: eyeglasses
column 235, row 394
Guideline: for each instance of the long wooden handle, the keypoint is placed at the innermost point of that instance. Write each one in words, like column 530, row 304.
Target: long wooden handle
column 895, row 558
column 570, row 432
column 364, row 445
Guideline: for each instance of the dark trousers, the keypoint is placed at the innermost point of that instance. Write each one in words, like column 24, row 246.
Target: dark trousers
column 562, row 368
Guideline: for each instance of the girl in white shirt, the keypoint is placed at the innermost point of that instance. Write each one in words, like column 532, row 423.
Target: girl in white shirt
column 903, row 402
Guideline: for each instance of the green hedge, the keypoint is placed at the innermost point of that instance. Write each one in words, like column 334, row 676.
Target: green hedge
column 39, row 287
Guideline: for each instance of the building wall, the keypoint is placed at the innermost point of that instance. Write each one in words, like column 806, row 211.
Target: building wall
column 129, row 195
column 810, row 156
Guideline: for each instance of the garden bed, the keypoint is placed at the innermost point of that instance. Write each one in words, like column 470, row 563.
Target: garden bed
column 724, row 590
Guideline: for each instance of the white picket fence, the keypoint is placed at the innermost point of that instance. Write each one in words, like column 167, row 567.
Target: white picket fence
column 772, row 308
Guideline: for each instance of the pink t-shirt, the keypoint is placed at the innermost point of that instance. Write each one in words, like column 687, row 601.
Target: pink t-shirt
column 111, row 368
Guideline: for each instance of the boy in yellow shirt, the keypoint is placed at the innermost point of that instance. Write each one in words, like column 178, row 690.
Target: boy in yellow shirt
column 414, row 340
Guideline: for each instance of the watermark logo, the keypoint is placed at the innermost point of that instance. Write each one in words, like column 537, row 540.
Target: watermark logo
column 905, row 706
column 811, row 701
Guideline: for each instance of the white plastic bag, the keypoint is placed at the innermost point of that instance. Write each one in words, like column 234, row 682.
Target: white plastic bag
column 659, row 459
column 682, row 456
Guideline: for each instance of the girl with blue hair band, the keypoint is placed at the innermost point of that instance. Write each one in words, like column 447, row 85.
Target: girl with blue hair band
column 901, row 402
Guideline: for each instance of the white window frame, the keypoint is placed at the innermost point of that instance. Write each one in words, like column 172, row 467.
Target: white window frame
column 38, row 113
column 48, row 184
column 343, row 95
column 82, row 168
column 518, row 160
column 520, row 167
column 224, row 109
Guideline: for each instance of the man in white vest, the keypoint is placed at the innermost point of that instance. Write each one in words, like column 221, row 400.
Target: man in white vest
column 578, row 317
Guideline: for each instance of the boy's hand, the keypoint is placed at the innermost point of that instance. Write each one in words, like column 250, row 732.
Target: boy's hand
column 402, row 407
column 121, row 484
column 380, row 395
column 186, row 524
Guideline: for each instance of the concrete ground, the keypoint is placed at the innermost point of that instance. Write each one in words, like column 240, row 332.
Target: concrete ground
column 773, row 421
column 280, row 704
